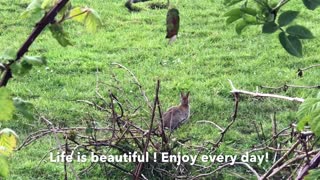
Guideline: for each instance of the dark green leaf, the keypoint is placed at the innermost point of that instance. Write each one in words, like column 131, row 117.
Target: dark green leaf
column 24, row 107
column 234, row 12
column 6, row 105
column 35, row 60
column 60, row 35
column 240, row 26
column 173, row 23
column 300, row 31
column 287, row 17
column 311, row 4
column 291, row 44
column 249, row 19
column 249, row 11
column 89, row 130
column 269, row 27
column 21, row 68
column 231, row 19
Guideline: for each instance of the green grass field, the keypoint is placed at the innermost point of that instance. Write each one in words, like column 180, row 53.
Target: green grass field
column 206, row 54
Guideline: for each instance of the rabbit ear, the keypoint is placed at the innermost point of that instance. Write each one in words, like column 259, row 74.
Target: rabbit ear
column 188, row 93
column 181, row 94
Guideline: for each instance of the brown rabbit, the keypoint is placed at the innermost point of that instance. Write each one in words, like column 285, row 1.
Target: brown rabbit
column 177, row 115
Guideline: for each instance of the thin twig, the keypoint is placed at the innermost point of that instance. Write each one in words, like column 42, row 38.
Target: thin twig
column 210, row 122
column 136, row 82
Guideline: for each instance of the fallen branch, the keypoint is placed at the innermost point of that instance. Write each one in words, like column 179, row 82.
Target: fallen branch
column 287, row 86
column 234, row 90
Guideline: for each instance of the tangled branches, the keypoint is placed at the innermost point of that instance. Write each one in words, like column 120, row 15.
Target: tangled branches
column 137, row 128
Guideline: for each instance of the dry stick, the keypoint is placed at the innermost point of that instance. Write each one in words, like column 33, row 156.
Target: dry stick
column 274, row 135
column 140, row 165
column 163, row 134
column 274, row 130
column 304, row 69
column 114, row 115
column 210, row 122
column 46, row 19
column 257, row 130
column 65, row 159
column 226, row 165
column 296, row 99
column 262, row 132
column 315, row 161
column 136, row 82
column 51, row 126
column 112, row 164
column 290, row 161
column 234, row 116
column 266, row 175
column 286, row 86
column 95, row 105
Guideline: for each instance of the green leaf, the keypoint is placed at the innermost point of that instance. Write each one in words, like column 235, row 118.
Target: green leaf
column 309, row 113
column 291, row 44
column 60, row 35
column 65, row 10
column 287, row 17
column 303, row 122
column 88, row 16
column 35, row 60
column 249, row 11
column 249, row 19
column 89, row 130
column 77, row 14
column 24, row 107
column 93, row 20
column 313, row 174
column 300, row 31
column 234, row 12
column 6, row 105
column 311, row 4
column 4, row 170
column 240, row 26
column 269, row 27
column 47, row 4
column 315, row 122
column 231, row 19
column 8, row 54
column 33, row 11
column 21, row 68
column 8, row 141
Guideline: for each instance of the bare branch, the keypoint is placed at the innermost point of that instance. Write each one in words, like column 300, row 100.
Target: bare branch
column 296, row 99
